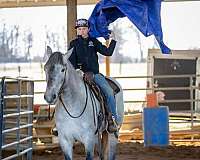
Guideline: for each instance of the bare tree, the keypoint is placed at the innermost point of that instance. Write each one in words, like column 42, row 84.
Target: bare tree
column 6, row 43
column 28, row 43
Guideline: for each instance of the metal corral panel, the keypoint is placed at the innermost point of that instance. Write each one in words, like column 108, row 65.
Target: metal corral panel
column 16, row 112
column 175, row 75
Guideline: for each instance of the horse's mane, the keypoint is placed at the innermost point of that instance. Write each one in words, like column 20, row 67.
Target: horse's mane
column 55, row 58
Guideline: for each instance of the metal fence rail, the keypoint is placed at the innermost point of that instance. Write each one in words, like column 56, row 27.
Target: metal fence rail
column 149, row 87
column 16, row 118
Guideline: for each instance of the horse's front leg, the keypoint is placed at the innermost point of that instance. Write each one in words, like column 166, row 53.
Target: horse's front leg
column 89, row 144
column 67, row 147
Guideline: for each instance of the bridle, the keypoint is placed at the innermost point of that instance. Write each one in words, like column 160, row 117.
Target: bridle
column 61, row 88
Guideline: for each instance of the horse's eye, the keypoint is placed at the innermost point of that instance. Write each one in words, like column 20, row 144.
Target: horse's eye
column 63, row 70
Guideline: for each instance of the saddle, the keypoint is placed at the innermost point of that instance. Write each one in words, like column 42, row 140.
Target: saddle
column 99, row 94
column 104, row 113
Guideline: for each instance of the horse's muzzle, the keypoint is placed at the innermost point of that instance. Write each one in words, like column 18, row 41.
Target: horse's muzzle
column 50, row 99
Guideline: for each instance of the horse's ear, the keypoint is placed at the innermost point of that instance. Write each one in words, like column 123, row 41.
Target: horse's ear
column 68, row 54
column 49, row 51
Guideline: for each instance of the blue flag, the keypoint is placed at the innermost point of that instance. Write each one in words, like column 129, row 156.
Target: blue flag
column 144, row 14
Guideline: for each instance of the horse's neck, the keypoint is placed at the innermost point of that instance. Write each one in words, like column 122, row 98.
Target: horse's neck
column 74, row 89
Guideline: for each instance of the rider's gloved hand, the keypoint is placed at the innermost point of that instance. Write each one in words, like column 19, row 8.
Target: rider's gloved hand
column 88, row 76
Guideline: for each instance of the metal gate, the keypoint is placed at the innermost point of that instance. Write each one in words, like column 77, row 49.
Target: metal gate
column 177, row 70
column 16, row 118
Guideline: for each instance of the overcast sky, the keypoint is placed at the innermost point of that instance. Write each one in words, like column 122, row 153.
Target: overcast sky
column 180, row 23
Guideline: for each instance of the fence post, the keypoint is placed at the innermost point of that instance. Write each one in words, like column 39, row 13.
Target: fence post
column 192, row 101
column 1, row 114
column 30, row 119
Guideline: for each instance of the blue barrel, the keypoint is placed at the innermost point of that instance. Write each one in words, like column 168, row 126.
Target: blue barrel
column 156, row 126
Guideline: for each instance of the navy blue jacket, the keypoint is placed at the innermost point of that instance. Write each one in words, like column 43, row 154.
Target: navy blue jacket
column 85, row 51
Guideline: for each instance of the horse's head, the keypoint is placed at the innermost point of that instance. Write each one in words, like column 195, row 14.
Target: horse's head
column 56, row 73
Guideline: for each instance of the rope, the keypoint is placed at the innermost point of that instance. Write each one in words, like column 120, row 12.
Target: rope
column 93, row 101
column 51, row 117
column 72, row 116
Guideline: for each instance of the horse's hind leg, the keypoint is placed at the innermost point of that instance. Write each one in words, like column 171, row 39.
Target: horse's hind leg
column 112, row 146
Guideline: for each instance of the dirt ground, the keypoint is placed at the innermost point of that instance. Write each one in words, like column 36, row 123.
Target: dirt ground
column 130, row 151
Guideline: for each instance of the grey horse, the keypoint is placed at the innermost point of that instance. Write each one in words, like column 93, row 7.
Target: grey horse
column 75, row 115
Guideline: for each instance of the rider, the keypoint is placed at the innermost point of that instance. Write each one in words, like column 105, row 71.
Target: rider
column 84, row 57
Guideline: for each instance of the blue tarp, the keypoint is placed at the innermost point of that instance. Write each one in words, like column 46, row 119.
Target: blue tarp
column 145, row 14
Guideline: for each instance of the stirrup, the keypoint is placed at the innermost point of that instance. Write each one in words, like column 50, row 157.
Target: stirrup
column 112, row 125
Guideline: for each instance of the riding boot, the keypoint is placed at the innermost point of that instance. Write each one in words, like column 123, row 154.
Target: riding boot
column 112, row 124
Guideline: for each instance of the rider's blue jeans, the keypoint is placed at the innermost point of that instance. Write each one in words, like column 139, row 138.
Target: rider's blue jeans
column 108, row 92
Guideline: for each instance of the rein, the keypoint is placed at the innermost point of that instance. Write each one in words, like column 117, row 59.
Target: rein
column 61, row 88
column 60, row 98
